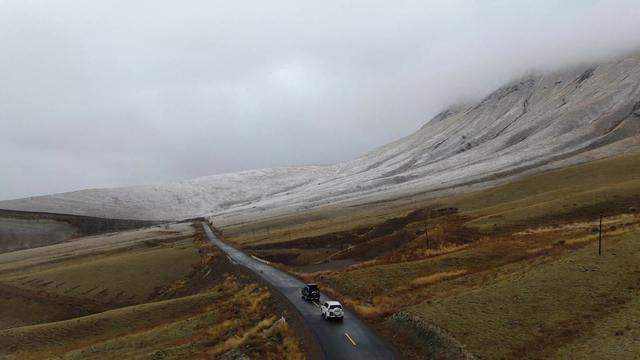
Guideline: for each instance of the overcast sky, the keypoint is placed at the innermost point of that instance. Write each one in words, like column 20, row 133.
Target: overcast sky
column 113, row 93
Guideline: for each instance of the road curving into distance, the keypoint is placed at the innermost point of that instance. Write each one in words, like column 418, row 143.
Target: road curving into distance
column 350, row 339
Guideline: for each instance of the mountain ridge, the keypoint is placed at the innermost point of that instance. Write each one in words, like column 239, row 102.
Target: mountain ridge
column 533, row 124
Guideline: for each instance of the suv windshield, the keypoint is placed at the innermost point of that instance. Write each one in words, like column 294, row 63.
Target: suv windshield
column 312, row 287
column 335, row 307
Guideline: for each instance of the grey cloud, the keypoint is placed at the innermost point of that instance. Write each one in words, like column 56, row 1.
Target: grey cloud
column 117, row 93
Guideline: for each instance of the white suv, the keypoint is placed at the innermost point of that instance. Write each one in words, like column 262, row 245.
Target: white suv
column 332, row 310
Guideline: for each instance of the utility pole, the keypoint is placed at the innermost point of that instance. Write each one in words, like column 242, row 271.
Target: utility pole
column 426, row 225
column 600, row 237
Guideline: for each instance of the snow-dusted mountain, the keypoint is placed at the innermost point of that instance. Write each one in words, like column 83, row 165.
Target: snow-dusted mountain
column 537, row 123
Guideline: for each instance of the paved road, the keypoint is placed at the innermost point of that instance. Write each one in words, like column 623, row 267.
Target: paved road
column 352, row 339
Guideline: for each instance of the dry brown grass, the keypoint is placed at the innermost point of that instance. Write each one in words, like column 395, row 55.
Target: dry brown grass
column 434, row 278
column 194, row 312
column 233, row 317
column 255, row 327
column 544, row 311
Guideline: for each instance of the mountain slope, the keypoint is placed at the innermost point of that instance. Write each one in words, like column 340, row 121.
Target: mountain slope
column 537, row 123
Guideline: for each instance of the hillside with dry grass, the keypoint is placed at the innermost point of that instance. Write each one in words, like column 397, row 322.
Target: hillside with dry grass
column 156, row 293
column 509, row 272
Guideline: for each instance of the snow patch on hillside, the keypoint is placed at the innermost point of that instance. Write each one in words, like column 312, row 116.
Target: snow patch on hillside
column 537, row 123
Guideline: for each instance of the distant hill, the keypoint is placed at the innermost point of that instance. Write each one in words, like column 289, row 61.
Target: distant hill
column 25, row 230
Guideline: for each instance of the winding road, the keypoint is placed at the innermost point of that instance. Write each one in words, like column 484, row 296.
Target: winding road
column 350, row 339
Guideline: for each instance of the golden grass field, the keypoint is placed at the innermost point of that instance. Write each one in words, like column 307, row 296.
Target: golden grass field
column 510, row 272
column 577, row 305
column 157, row 293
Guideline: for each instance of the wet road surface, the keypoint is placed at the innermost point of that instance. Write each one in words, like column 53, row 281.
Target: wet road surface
column 349, row 339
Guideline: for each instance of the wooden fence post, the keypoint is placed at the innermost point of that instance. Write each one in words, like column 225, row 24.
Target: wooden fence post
column 426, row 226
column 600, row 237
